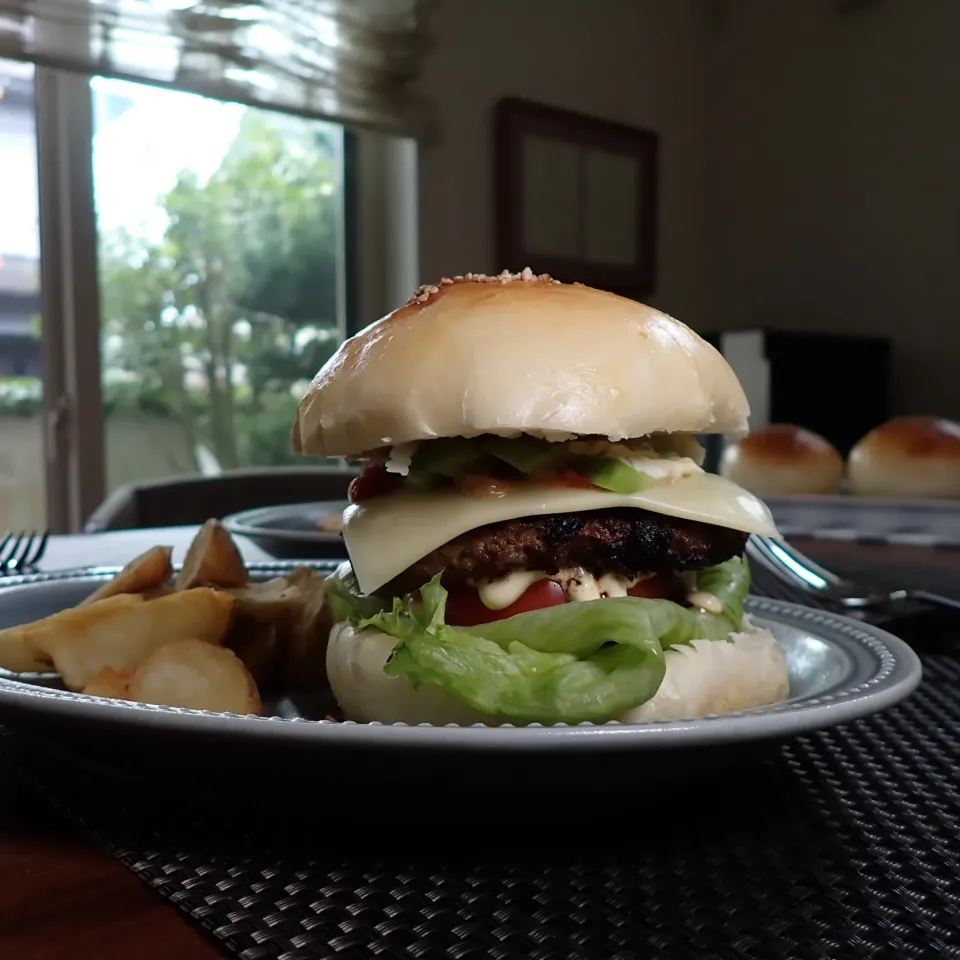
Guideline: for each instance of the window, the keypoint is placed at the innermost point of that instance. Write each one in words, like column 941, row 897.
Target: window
column 21, row 363
column 201, row 260
column 180, row 248
column 222, row 273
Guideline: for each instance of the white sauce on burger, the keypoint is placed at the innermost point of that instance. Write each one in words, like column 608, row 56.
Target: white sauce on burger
column 578, row 585
column 704, row 601
column 664, row 468
column 499, row 594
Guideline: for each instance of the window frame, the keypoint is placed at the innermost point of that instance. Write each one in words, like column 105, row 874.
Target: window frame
column 69, row 299
column 379, row 240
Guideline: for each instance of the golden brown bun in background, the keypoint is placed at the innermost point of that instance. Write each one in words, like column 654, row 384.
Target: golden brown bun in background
column 783, row 459
column 516, row 354
column 907, row 457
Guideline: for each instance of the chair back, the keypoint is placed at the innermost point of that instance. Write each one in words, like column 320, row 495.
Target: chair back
column 181, row 501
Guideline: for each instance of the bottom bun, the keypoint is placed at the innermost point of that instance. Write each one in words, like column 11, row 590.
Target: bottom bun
column 703, row 677
column 718, row 676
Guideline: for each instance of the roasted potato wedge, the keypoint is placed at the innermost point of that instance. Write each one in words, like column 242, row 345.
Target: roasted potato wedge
column 279, row 628
column 111, row 683
column 257, row 643
column 212, row 560
column 268, row 600
column 154, row 593
column 18, row 655
column 121, row 631
column 305, row 650
column 149, row 571
column 204, row 639
column 265, row 613
column 198, row 675
column 303, row 576
column 28, row 647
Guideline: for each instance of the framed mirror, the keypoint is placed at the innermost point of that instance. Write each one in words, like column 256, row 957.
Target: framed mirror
column 576, row 197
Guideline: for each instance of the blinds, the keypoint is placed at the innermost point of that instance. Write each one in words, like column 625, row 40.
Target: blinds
column 351, row 61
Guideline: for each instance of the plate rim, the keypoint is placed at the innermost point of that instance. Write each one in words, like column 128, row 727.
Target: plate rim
column 898, row 673
column 237, row 523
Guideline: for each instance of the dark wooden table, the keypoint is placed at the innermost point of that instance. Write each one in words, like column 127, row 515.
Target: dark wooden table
column 62, row 898
column 59, row 895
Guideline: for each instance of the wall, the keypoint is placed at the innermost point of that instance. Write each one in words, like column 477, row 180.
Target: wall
column 809, row 160
column 833, row 194
column 138, row 447
column 634, row 61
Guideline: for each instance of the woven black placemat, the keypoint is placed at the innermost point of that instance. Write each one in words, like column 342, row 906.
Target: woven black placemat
column 842, row 844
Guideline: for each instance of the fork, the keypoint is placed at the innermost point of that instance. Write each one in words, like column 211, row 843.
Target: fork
column 21, row 551
column 797, row 570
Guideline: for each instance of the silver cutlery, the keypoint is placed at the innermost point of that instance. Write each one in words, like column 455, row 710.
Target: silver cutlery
column 805, row 576
column 21, row 551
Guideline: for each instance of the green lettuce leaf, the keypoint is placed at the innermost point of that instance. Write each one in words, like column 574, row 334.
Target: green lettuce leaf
column 347, row 603
column 575, row 662
column 447, row 457
column 729, row 582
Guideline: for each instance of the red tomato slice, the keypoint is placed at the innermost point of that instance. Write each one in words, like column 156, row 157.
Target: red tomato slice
column 372, row 481
column 570, row 478
column 656, row 587
column 466, row 609
column 562, row 478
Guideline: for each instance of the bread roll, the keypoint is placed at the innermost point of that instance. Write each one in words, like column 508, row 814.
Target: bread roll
column 707, row 676
column 907, row 457
column 517, row 354
column 783, row 459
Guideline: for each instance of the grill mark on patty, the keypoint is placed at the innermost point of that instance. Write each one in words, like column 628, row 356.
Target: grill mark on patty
column 624, row 541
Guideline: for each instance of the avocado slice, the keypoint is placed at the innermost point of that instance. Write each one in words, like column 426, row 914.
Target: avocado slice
column 613, row 475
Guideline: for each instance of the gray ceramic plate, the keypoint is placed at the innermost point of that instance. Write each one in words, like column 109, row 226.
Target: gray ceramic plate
column 302, row 522
column 304, row 530
column 840, row 670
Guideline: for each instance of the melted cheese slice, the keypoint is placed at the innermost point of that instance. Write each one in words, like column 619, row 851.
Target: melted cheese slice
column 386, row 535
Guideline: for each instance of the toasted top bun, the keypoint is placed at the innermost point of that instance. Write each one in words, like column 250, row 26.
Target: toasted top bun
column 704, row 677
column 783, row 459
column 907, row 457
column 512, row 354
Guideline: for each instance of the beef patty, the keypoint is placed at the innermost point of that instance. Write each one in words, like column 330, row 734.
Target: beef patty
column 623, row 541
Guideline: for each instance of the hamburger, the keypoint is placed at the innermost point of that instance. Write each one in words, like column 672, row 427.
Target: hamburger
column 532, row 537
